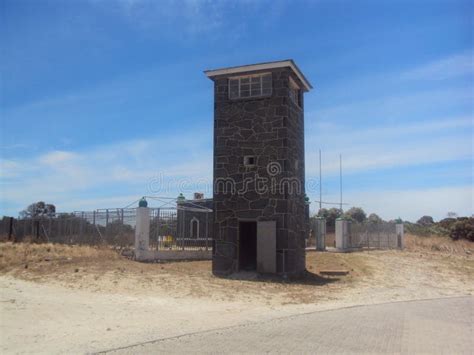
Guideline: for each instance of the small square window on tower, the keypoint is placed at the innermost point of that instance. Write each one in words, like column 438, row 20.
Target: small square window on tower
column 249, row 160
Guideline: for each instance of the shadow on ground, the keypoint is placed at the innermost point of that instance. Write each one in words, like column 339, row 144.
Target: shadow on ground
column 307, row 278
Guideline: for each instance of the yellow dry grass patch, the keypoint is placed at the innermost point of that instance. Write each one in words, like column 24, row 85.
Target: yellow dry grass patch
column 20, row 254
column 436, row 243
column 104, row 270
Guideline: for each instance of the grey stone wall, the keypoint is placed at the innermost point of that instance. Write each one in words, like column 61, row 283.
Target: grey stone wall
column 272, row 130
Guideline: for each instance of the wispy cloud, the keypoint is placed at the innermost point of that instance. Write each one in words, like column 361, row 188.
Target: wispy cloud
column 57, row 158
column 459, row 65
column 132, row 165
column 375, row 134
column 192, row 17
column 395, row 108
column 369, row 148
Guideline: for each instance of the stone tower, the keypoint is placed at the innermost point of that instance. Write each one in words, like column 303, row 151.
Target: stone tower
column 259, row 172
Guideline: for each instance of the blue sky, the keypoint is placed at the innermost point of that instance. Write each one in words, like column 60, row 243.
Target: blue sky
column 105, row 101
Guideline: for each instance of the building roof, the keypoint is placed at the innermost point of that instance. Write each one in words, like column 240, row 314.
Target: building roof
column 261, row 66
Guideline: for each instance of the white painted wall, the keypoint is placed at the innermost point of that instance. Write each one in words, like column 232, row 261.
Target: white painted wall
column 342, row 234
column 142, row 233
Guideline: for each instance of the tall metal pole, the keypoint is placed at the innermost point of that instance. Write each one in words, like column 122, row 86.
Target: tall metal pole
column 340, row 178
column 320, row 183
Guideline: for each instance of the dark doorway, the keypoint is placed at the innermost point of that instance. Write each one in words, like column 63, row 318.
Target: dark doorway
column 248, row 246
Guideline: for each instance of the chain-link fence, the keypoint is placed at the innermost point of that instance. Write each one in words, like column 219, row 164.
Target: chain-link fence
column 109, row 226
column 171, row 228
column 373, row 235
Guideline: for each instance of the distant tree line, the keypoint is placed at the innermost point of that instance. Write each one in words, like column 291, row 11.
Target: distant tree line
column 452, row 226
column 355, row 214
column 38, row 209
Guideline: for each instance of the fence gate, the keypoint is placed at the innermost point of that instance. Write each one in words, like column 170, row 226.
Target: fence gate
column 182, row 228
column 374, row 236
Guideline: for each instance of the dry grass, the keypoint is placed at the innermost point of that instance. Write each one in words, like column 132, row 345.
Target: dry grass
column 103, row 270
column 13, row 255
column 438, row 244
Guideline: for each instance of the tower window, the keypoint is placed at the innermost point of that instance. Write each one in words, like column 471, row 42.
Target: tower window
column 250, row 86
column 249, row 160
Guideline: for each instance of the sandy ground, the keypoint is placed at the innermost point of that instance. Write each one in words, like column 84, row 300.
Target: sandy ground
column 58, row 299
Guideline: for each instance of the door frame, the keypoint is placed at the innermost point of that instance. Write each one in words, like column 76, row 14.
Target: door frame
column 239, row 220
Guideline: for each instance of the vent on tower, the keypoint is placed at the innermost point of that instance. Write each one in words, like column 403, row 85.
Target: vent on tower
column 198, row 196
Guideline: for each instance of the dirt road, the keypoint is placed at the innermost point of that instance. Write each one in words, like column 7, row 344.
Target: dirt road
column 93, row 300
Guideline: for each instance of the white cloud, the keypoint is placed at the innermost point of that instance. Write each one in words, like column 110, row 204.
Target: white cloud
column 130, row 165
column 99, row 171
column 392, row 108
column 16, row 146
column 90, row 204
column 458, row 65
column 387, row 146
column 192, row 17
column 10, row 168
column 136, row 165
column 56, row 158
column 399, row 129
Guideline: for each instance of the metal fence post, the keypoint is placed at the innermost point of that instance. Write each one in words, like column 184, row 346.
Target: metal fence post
column 10, row 229
column 121, row 222
column 49, row 227
column 81, row 227
column 183, row 229
column 207, row 230
column 37, row 230
column 106, row 222
column 32, row 226
column 59, row 222
column 158, row 227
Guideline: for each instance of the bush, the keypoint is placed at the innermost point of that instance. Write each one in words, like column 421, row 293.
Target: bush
column 463, row 228
column 331, row 215
column 426, row 231
column 374, row 218
column 356, row 214
column 455, row 228
column 425, row 221
column 447, row 222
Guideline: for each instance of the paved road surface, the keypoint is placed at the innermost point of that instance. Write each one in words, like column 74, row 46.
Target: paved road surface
column 431, row 326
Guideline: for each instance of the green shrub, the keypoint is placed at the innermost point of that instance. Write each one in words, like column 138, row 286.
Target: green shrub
column 447, row 222
column 425, row 221
column 463, row 228
column 455, row 228
column 425, row 230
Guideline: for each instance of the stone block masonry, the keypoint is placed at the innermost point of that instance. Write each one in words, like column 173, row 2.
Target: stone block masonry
column 270, row 130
